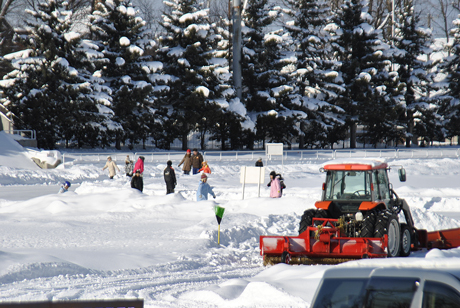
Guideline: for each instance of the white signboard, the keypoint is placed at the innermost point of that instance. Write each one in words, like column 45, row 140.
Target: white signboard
column 274, row 149
column 252, row 175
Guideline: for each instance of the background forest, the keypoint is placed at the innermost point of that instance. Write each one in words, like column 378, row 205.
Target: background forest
column 113, row 73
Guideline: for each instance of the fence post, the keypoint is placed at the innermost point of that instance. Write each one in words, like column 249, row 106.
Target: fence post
column 220, row 156
column 236, row 155
column 63, row 161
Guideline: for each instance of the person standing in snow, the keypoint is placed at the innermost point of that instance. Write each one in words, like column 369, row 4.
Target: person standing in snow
column 204, row 189
column 187, row 161
column 137, row 182
column 259, row 162
column 139, row 165
column 64, row 187
column 112, row 166
column 275, row 185
column 170, row 178
column 205, row 168
column 197, row 160
column 129, row 166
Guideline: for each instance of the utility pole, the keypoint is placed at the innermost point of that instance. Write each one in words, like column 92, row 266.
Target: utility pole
column 237, row 47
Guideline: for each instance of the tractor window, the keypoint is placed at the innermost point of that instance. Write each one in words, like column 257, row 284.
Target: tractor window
column 346, row 185
column 383, row 192
column 384, row 292
column 437, row 294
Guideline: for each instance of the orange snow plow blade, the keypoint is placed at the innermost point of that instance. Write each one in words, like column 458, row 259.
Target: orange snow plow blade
column 443, row 239
column 322, row 244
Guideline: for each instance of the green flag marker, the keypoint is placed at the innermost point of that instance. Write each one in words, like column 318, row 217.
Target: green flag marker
column 219, row 213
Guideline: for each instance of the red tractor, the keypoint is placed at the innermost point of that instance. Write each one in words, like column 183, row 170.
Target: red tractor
column 358, row 217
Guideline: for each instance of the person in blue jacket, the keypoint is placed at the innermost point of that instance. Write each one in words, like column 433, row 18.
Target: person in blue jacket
column 204, row 189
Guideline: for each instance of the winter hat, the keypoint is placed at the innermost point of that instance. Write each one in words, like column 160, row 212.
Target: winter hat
column 142, row 158
column 188, row 151
column 169, row 163
column 204, row 163
column 195, row 150
column 109, row 157
column 203, row 176
column 273, row 173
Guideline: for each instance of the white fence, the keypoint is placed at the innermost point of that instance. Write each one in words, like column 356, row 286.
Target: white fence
column 299, row 155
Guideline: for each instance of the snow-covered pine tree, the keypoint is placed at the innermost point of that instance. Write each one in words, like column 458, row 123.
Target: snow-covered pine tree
column 363, row 70
column 186, row 48
column 117, row 29
column 449, row 88
column 45, row 92
column 413, row 60
column 232, row 114
column 265, row 73
column 313, row 76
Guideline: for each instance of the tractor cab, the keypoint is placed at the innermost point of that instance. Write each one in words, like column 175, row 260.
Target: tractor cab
column 356, row 185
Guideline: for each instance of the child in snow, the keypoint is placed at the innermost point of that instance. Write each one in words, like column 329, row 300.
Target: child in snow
column 129, row 166
column 136, row 181
column 64, row 187
column 204, row 189
column 170, row 178
column 276, row 190
column 112, row 166
column 205, row 168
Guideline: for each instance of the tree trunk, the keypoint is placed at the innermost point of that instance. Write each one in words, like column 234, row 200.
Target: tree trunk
column 410, row 129
column 184, row 142
column 353, row 136
column 117, row 140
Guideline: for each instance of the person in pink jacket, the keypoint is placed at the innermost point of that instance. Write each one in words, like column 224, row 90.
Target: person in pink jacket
column 139, row 165
column 275, row 185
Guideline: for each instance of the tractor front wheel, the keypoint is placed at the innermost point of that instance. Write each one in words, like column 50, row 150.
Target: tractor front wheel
column 387, row 223
column 367, row 229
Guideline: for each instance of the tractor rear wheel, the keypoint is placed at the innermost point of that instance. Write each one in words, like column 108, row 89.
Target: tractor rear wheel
column 367, row 229
column 306, row 220
column 405, row 240
column 387, row 223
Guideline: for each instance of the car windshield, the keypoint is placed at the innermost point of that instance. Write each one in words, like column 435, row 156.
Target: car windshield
column 346, row 185
column 377, row 292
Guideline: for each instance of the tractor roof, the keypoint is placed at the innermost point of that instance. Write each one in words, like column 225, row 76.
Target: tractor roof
column 357, row 164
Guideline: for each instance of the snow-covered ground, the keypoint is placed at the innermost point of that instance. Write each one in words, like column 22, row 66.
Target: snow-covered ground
column 105, row 240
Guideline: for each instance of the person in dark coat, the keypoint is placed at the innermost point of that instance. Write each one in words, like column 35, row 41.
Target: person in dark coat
column 197, row 160
column 136, row 181
column 170, row 178
column 259, row 162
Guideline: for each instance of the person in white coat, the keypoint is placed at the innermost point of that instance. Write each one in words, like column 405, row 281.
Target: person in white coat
column 111, row 165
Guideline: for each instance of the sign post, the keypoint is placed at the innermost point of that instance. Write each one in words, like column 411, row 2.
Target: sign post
column 252, row 175
column 219, row 214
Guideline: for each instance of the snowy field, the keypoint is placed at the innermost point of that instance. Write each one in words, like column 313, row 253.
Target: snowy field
column 105, row 240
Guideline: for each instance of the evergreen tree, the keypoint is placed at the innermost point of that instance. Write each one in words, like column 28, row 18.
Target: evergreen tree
column 412, row 58
column 448, row 98
column 265, row 73
column 54, row 98
column 118, row 31
column 313, row 76
column 186, row 50
column 363, row 71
